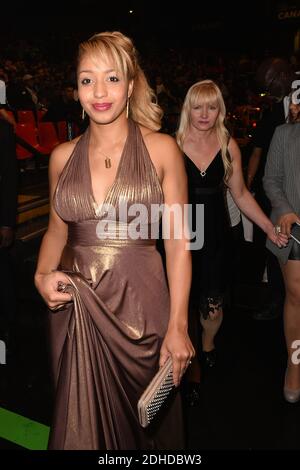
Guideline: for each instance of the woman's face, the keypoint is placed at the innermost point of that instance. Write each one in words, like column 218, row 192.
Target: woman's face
column 204, row 115
column 295, row 111
column 102, row 90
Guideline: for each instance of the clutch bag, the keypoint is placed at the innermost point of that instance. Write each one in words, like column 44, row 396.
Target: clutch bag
column 156, row 393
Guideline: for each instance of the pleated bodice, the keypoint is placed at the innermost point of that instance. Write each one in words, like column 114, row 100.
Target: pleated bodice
column 136, row 182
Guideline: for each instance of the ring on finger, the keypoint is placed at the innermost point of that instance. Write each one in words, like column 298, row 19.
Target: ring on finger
column 277, row 229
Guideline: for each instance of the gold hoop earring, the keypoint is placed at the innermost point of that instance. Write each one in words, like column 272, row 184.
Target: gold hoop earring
column 127, row 108
column 83, row 114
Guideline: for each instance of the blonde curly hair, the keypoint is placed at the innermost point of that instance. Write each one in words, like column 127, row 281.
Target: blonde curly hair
column 119, row 48
column 206, row 91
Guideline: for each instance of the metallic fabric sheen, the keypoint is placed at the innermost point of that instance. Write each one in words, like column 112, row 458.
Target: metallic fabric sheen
column 105, row 344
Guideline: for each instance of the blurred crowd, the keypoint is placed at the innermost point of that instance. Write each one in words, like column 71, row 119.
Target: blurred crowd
column 37, row 80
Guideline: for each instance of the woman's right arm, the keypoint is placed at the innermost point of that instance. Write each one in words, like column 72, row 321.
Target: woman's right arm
column 273, row 183
column 47, row 277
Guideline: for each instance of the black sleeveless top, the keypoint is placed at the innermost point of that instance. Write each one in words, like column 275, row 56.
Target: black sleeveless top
column 209, row 262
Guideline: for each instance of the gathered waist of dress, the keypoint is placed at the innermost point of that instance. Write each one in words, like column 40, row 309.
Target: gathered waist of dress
column 100, row 232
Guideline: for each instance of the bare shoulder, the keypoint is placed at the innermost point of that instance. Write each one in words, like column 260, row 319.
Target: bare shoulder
column 61, row 154
column 155, row 138
column 161, row 146
column 233, row 148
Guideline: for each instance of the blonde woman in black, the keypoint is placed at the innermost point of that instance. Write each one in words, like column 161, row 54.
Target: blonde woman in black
column 213, row 161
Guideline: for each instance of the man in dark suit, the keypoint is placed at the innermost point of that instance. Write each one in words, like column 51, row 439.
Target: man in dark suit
column 8, row 209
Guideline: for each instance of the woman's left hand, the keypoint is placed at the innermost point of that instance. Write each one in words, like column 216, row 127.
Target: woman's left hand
column 280, row 239
column 178, row 345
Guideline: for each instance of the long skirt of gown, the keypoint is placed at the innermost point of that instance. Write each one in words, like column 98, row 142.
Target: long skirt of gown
column 105, row 346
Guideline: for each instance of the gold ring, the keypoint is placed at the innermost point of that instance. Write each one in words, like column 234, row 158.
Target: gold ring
column 277, row 229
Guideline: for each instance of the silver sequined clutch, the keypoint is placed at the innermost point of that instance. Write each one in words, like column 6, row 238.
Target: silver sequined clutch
column 156, row 393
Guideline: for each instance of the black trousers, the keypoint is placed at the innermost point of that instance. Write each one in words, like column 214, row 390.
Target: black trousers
column 263, row 257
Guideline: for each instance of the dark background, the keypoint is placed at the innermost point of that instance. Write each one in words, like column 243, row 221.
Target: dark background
column 251, row 27
column 242, row 406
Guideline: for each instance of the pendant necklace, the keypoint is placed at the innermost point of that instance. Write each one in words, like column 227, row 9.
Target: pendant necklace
column 203, row 173
column 107, row 160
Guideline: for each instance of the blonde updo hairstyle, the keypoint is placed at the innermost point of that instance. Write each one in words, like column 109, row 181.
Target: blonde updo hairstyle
column 118, row 48
column 203, row 92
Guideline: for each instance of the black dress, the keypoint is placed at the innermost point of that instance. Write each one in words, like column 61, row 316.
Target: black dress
column 210, row 262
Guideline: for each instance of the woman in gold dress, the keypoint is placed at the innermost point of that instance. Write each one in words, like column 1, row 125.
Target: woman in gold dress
column 113, row 319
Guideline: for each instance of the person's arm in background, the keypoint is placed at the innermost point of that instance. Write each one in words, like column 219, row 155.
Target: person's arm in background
column 257, row 149
column 273, row 183
column 244, row 199
column 7, row 117
column 8, row 185
column 253, row 165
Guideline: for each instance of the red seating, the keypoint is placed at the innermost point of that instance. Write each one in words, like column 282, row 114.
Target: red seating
column 11, row 114
column 26, row 116
column 47, row 135
column 63, row 130
column 28, row 133
column 40, row 114
column 22, row 153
